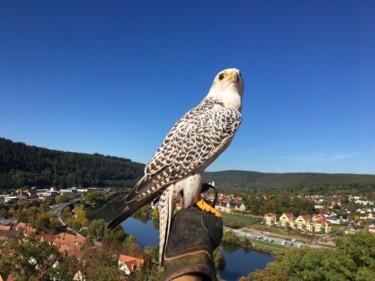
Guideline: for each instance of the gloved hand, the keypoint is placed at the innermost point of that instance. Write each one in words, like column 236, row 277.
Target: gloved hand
column 194, row 236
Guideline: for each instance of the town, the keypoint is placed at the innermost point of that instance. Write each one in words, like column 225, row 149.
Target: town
column 67, row 229
column 68, row 243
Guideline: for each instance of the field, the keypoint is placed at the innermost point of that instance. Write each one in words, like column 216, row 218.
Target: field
column 239, row 220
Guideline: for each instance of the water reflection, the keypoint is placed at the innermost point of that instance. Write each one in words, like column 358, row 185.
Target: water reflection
column 239, row 261
column 146, row 233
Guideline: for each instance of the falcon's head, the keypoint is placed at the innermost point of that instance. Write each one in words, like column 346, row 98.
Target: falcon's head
column 228, row 87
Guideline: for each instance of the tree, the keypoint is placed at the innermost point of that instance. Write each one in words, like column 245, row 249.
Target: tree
column 94, row 198
column 360, row 247
column 155, row 213
column 116, row 234
column 98, row 265
column 79, row 219
column 219, row 260
column 32, row 260
column 131, row 247
column 61, row 198
column 354, row 259
column 96, row 229
column 230, row 237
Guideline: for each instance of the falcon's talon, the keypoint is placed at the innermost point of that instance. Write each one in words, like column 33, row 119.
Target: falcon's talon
column 204, row 206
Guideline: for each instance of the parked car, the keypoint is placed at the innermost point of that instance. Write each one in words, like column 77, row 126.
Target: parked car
column 287, row 243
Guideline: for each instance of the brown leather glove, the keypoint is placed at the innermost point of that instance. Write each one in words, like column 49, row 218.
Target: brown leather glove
column 194, row 236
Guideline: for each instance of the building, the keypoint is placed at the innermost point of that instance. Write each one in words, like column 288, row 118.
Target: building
column 303, row 222
column 321, row 226
column 270, row 219
column 286, row 220
column 129, row 264
column 70, row 245
column 24, row 228
column 316, row 223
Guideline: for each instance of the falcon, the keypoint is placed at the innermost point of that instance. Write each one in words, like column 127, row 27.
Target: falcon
column 193, row 143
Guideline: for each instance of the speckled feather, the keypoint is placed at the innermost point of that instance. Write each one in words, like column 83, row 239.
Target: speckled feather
column 195, row 141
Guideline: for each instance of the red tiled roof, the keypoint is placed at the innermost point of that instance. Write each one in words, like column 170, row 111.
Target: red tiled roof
column 5, row 227
column 272, row 215
column 132, row 263
column 323, row 222
column 318, row 216
column 46, row 237
column 306, row 217
column 69, row 239
column 25, row 228
column 69, row 244
column 289, row 215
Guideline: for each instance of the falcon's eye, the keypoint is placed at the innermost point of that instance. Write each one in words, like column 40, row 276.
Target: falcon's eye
column 221, row 76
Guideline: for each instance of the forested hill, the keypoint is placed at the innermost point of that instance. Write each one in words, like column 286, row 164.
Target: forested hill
column 24, row 165
column 307, row 181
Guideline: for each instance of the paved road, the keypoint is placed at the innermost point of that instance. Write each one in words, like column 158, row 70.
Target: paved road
column 275, row 240
column 57, row 210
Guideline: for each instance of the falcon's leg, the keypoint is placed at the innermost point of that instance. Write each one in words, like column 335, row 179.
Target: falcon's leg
column 192, row 194
column 191, row 189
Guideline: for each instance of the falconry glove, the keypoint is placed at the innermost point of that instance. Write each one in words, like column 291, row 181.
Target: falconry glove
column 194, row 236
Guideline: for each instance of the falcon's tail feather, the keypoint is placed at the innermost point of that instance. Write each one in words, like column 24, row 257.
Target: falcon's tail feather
column 129, row 210
column 134, row 200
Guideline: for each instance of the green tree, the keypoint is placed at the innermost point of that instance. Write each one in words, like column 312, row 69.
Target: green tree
column 61, row 198
column 354, row 259
column 66, row 213
column 116, row 234
column 78, row 219
column 230, row 237
column 155, row 213
column 94, row 198
column 32, row 260
column 96, row 229
column 219, row 260
column 360, row 247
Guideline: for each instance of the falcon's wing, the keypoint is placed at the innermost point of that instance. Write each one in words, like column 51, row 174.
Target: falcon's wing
column 194, row 142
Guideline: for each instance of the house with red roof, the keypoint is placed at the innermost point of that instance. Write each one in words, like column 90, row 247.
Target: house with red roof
column 287, row 220
column 70, row 245
column 321, row 226
column 270, row 219
column 129, row 264
column 303, row 222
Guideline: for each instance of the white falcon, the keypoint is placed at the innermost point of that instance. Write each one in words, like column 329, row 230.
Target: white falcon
column 194, row 142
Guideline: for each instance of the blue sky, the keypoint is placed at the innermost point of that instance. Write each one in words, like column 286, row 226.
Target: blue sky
column 114, row 76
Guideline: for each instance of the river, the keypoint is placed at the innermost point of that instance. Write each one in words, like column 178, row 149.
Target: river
column 239, row 262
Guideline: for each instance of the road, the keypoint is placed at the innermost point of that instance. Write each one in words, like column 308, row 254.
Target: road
column 57, row 210
column 275, row 240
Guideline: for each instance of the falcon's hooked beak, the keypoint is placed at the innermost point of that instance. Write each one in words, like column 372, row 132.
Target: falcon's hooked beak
column 234, row 76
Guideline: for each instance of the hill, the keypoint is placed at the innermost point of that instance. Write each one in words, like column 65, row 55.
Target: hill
column 24, row 165
column 256, row 180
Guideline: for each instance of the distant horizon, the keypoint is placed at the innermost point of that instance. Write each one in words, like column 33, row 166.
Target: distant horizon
column 208, row 170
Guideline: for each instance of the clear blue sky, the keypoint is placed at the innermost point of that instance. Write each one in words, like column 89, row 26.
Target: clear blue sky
column 113, row 77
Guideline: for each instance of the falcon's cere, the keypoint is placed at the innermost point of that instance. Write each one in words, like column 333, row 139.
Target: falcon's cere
column 194, row 142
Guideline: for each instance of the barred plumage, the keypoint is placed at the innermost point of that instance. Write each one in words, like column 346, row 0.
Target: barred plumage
column 194, row 142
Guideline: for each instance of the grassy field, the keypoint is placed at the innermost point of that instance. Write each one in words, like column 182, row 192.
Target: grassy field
column 239, row 220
